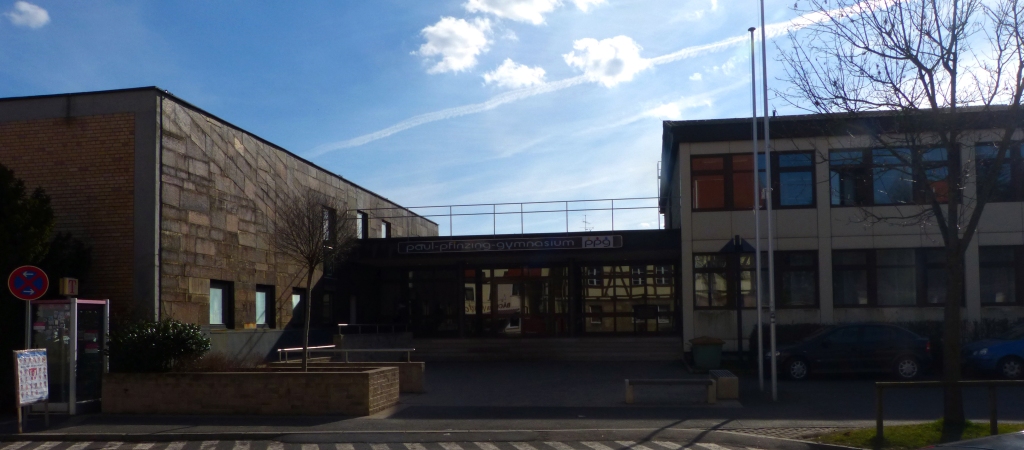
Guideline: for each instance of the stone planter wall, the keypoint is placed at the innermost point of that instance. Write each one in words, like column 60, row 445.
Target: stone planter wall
column 410, row 374
column 352, row 393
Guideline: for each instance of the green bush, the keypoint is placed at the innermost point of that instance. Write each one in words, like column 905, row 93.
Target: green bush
column 163, row 346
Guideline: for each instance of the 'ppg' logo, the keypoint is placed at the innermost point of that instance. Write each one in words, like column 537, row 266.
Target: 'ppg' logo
column 597, row 242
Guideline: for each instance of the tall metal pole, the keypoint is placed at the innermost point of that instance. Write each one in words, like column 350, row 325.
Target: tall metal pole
column 769, row 198
column 757, row 211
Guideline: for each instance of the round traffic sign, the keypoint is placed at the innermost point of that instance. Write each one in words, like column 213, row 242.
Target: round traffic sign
column 28, row 282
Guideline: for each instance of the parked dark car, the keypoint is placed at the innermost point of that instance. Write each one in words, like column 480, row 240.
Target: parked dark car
column 1004, row 356
column 856, row 348
column 998, row 442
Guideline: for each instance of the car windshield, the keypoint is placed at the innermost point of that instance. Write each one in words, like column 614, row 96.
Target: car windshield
column 1015, row 333
column 816, row 333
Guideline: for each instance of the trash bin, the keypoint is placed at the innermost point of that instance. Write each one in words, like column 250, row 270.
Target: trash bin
column 707, row 352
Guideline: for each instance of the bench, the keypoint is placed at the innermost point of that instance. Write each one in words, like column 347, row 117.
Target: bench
column 727, row 384
column 710, row 383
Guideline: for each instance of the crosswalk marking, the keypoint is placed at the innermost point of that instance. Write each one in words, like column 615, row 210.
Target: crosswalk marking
column 79, row 446
column 310, row 447
column 633, row 445
column 111, row 445
column 380, row 447
column 559, row 446
column 710, row 446
column 343, row 447
column 277, row 445
column 241, row 445
column 47, row 445
column 450, row 446
column 208, row 445
column 16, row 445
column 596, row 445
column 143, row 446
column 486, row 446
column 522, row 446
column 415, row 447
column 668, row 445
column 274, row 446
column 177, row 445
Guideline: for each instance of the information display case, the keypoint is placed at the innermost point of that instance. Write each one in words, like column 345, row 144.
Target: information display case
column 74, row 333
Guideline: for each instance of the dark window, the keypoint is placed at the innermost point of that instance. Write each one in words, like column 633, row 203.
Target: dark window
column 1008, row 178
column 329, row 222
column 845, row 335
column 1000, row 269
column 878, row 333
column 266, row 307
column 889, row 277
column 362, row 225
column 887, row 176
column 222, row 304
column 722, row 279
column 726, row 182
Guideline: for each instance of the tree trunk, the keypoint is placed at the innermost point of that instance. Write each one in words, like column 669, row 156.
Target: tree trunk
column 306, row 319
column 953, row 402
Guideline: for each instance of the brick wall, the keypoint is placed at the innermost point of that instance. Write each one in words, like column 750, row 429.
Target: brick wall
column 313, row 393
column 219, row 186
column 86, row 165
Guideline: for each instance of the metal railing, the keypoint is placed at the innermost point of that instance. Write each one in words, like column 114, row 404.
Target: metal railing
column 376, row 327
column 522, row 209
column 282, row 354
column 993, row 420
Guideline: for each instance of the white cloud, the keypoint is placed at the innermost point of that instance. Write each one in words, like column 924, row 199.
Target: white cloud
column 608, row 61
column 531, row 11
column 696, row 76
column 26, row 14
column 584, row 5
column 714, row 5
column 457, row 42
column 727, row 67
column 512, row 75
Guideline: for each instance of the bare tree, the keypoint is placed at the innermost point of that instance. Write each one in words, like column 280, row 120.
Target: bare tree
column 313, row 229
column 947, row 74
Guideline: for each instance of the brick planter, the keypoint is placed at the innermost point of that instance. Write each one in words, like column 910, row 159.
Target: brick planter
column 352, row 393
column 410, row 374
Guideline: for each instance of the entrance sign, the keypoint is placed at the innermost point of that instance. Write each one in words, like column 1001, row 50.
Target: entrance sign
column 28, row 283
column 69, row 287
column 512, row 244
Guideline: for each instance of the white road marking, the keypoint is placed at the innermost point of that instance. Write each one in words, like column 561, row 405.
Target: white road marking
column 274, row 446
column 522, row 446
column 172, row 446
column 450, row 446
column 712, row 446
column 79, row 446
column 343, row 447
column 380, row 447
column 241, row 445
column 559, row 446
column 111, row 445
column 15, row 446
column 46, row 445
column 486, row 446
column 208, row 445
column 310, row 447
column 668, row 445
column 415, row 447
column 596, row 445
column 633, row 445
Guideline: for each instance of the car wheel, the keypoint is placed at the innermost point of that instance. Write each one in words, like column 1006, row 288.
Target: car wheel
column 1011, row 367
column 797, row 369
column 907, row 368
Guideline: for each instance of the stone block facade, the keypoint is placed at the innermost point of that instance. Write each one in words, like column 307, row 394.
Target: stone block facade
column 353, row 393
column 219, row 188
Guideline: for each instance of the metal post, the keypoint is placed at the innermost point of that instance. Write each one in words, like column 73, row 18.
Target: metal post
column 878, row 415
column 757, row 214
column 768, row 199
column 993, row 421
column 73, row 349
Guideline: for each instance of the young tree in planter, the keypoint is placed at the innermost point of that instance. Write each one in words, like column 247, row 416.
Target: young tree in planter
column 948, row 74
column 313, row 229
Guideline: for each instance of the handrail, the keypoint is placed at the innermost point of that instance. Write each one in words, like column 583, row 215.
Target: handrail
column 346, row 351
column 494, row 213
column 991, row 384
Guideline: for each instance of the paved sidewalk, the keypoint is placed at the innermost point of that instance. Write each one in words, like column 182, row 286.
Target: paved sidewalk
column 559, row 401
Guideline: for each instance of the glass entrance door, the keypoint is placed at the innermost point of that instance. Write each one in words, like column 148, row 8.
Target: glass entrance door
column 524, row 302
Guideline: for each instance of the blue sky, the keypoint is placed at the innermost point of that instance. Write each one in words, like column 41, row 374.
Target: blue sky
column 424, row 102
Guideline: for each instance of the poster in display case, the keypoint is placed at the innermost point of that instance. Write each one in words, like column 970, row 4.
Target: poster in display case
column 73, row 331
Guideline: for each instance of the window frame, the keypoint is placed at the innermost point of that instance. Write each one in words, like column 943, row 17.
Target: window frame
column 734, row 268
column 1017, row 265
column 728, row 172
column 921, row 267
column 269, row 309
column 1014, row 161
column 863, row 174
column 227, row 306
column 362, row 225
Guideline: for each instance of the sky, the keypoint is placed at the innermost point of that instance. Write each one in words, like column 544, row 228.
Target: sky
column 440, row 102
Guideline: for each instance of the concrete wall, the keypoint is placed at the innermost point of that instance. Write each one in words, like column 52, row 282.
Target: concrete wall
column 219, row 189
column 354, row 393
column 823, row 229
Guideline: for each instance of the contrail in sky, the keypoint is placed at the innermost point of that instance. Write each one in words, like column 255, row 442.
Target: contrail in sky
column 771, row 30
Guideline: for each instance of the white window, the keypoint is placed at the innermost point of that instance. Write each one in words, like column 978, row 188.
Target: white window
column 261, row 308
column 216, row 306
column 361, row 222
column 385, row 229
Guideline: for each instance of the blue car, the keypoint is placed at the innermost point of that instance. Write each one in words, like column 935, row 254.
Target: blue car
column 1004, row 356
